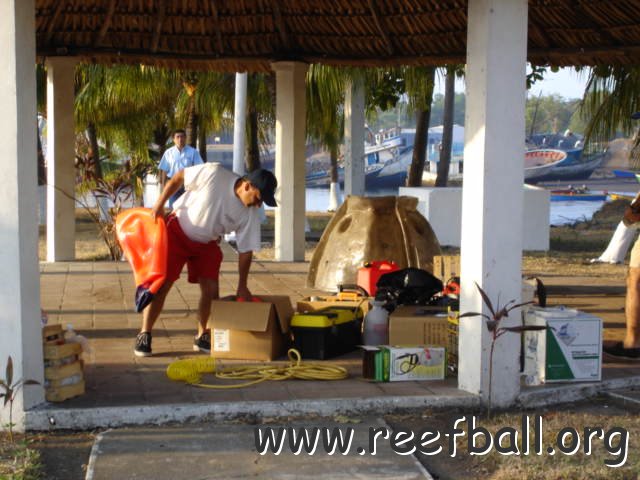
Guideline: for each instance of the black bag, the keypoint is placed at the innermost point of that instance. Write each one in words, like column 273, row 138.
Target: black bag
column 409, row 286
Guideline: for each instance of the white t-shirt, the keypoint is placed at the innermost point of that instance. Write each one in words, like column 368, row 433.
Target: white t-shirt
column 210, row 208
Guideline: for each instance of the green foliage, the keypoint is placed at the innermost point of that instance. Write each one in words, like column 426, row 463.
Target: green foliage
column 8, row 391
column 18, row 461
column 109, row 194
column 611, row 97
column 493, row 323
column 437, row 109
column 552, row 113
column 385, row 88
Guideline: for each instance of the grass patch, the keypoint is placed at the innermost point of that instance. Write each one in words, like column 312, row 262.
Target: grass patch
column 17, row 460
column 545, row 466
column 598, row 412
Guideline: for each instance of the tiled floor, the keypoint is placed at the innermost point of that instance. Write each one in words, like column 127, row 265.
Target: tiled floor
column 97, row 299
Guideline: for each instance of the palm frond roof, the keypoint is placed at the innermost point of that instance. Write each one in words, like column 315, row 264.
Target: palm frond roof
column 235, row 35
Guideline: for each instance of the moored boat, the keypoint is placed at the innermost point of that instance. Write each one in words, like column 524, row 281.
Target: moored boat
column 577, row 194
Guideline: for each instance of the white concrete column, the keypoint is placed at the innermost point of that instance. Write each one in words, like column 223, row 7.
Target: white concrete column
column 492, row 198
column 354, row 139
column 61, row 225
column 290, row 159
column 20, row 336
column 239, row 122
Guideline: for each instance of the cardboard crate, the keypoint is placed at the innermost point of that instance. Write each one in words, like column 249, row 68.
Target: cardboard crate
column 54, row 352
column 60, row 394
column 250, row 330
column 418, row 325
column 395, row 364
column 446, row 266
column 569, row 351
column 52, row 334
column 64, row 371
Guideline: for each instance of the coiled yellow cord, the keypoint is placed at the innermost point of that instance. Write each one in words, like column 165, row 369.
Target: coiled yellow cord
column 190, row 370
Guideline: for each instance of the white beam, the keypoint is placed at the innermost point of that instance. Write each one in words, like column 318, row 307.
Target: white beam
column 290, row 159
column 354, row 139
column 239, row 123
column 61, row 229
column 492, row 198
column 20, row 291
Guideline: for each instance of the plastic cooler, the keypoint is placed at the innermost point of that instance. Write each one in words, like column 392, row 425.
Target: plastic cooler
column 369, row 274
column 326, row 333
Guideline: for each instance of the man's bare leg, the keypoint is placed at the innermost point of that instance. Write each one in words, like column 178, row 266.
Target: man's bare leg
column 151, row 313
column 632, row 309
column 209, row 291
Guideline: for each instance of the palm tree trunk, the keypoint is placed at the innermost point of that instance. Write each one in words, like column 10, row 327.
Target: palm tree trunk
column 333, row 152
column 419, row 149
column 253, row 147
column 95, row 150
column 192, row 123
column 160, row 136
column 202, row 143
column 447, row 129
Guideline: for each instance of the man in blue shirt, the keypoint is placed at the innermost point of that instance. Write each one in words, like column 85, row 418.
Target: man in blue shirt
column 175, row 159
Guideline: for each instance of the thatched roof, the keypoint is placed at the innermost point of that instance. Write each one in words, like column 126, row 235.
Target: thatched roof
column 250, row 34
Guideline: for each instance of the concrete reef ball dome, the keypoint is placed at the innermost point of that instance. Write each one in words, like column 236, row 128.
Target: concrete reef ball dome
column 371, row 228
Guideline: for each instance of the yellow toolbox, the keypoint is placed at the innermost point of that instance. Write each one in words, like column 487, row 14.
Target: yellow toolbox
column 327, row 332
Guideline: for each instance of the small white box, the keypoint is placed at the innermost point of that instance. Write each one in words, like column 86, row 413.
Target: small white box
column 570, row 350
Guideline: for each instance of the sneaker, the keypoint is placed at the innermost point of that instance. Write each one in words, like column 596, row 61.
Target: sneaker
column 617, row 351
column 143, row 345
column 202, row 343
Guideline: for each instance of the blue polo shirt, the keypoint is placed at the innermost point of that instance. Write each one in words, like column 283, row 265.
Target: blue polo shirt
column 175, row 160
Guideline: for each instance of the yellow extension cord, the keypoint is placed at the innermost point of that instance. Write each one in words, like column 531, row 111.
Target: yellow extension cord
column 190, row 370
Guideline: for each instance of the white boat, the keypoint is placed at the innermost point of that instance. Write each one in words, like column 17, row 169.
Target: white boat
column 541, row 162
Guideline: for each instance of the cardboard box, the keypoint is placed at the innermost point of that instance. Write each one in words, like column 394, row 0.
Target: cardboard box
column 446, row 266
column 60, row 394
column 569, row 351
column 419, row 325
column 395, row 364
column 251, row 330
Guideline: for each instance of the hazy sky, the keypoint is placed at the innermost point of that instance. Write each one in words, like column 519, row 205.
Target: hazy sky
column 566, row 83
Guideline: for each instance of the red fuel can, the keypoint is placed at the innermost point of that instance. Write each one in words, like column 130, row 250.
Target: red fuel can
column 369, row 274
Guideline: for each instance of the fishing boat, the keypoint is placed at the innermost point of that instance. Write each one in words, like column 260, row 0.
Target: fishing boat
column 575, row 166
column 386, row 162
column 624, row 173
column 577, row 194
column 540, row 162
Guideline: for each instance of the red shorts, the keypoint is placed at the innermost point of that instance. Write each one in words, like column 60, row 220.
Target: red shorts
column 203, row 259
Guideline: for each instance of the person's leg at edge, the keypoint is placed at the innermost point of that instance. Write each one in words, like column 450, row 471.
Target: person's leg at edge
column 632, row 308
column 209, row 291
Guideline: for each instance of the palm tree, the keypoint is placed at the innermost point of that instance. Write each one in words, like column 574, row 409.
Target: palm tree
column 260, row 115
column 610, row 98
column 419, row 85
column 444, row 159
column 124, row 105
column 325, row 112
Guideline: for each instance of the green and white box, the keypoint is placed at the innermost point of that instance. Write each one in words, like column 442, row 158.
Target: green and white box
column 570, row 350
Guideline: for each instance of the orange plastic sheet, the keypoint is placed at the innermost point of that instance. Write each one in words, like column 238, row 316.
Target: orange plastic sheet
column 144, row 242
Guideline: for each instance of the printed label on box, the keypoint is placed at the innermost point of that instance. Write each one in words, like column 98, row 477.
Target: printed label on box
column 221, row 340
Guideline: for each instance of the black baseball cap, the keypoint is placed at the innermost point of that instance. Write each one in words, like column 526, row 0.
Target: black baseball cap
column 266, row 182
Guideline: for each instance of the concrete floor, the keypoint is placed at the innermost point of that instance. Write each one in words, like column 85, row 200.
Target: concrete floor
column 97, row 299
